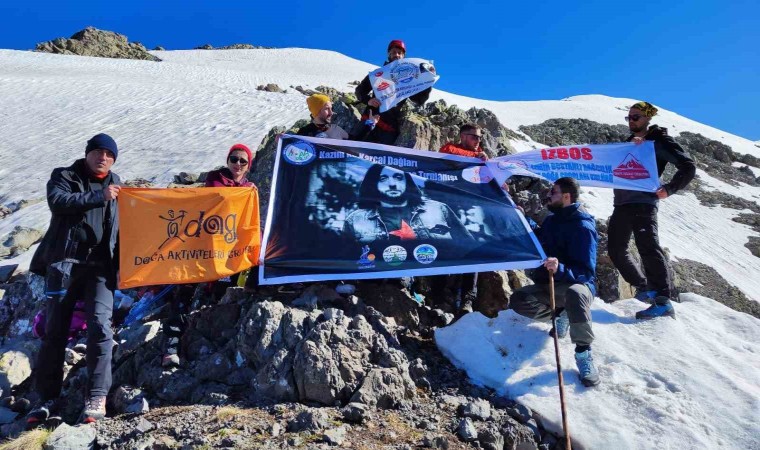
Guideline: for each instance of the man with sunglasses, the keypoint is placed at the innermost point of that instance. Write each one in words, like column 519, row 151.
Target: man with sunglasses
column 470, row 137
column 384, row 126
column 635, row 212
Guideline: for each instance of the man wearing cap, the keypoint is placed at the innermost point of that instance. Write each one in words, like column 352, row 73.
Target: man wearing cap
column 386, row 125
column 321, row 125
column 79, row 259
column 635, row 213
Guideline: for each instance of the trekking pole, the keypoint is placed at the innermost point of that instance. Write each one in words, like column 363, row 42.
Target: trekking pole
column 553, row 306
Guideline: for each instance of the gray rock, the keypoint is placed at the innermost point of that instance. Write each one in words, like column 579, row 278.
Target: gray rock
column 271, row 87
column 185, row 178
column 5, row 212
column 356, row 413
column 310, row 420
column 336, row 436
column 158, row 48
column 94, row 42
column 6, row 272
column 435, row 442
column 16, row 363
column 129, row 400
column 491, row 439
column 66, row 437
column 71, row 357
column 520, row 413
column 143, row 426
column 134, row 337
column 385, row 388
column 20, row 239
column 466, row 430
column 275, row 430
column 478, row 409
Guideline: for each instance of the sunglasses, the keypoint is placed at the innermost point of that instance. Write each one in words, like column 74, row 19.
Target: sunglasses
column 479, row 137
column 237, row 159
column 633, row 118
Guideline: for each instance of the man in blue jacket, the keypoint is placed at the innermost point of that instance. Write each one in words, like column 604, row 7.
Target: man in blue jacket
column 79, row 259
column 569, row 239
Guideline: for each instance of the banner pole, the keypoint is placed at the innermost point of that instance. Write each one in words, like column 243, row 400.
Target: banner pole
column 568, row 445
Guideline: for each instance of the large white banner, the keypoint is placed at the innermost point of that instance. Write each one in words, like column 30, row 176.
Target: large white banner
column 401, row 79
column 618, row 166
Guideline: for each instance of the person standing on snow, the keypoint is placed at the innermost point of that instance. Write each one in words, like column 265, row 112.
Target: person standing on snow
column 79, row 259
column 569, row 238
column 386, row 125
column 635, row 212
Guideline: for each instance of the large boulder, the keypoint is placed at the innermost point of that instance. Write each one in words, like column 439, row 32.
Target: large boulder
column 94, row 42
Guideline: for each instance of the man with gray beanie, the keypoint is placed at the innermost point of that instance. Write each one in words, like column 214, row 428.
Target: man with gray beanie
column 79, row 259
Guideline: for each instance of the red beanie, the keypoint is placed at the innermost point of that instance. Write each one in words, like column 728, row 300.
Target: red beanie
column 398, row 43
column 243, row 148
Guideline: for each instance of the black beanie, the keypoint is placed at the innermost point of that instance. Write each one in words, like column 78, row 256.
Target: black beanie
column 103, row 141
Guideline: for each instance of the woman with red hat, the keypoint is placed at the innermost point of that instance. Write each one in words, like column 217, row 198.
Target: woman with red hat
column 235, row 174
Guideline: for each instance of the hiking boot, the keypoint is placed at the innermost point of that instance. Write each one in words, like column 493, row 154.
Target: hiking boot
column 563, row 325
column 94, row 409
column 660, row 308
column 644, row 295
column 586, row 369
column 46, row 412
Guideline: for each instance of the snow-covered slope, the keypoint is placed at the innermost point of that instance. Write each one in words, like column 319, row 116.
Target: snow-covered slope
column 690, row 383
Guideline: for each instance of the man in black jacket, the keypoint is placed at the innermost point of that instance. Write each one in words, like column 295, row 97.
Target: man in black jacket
column 79, row 259
column 386, row 127
column 635, row 213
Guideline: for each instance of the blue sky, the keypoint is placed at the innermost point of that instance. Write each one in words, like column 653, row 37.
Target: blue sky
column 696, row 58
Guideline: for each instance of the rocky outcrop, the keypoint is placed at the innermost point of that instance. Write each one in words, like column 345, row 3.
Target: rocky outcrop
column 19, row 240
column 100, row 43
column 271, row 87
column 556, row 132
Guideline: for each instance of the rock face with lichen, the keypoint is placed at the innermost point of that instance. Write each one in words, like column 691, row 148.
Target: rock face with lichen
column 99, row 43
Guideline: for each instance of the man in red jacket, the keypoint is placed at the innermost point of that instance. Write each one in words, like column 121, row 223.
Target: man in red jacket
column 470, row 137
column 465, row 285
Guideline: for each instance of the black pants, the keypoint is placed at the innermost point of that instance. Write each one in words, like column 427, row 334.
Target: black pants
column 96, row 288
column 464, row 283
column 639, row 219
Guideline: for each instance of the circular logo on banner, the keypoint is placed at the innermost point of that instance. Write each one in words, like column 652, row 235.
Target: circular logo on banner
column 477, row 175
column 425, row 253
column 394, row 255
column 299, row 153
column 519, row 164
column 404, row 73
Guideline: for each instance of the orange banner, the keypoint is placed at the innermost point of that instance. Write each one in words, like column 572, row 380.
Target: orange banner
column 178, row 235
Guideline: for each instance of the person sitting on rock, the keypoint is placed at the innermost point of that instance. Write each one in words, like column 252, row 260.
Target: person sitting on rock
column 569, row 237
column 239, row 158
column 386, row 125
column 321, row 125
column 79, row 259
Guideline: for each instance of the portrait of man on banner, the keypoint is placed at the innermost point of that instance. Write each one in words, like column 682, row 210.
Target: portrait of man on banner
column 392, row 208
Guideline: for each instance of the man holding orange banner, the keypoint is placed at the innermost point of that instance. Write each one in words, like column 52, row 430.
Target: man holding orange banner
column 78, row 258
column 175, row 236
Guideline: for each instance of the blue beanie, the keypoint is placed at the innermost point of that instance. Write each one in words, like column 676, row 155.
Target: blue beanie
column 103, row 141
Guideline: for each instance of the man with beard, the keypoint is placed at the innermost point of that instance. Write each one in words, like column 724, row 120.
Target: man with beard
column 321, row 125
column 569, row 238
column 385, row 128
column 635, row 213
column 392, row 208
